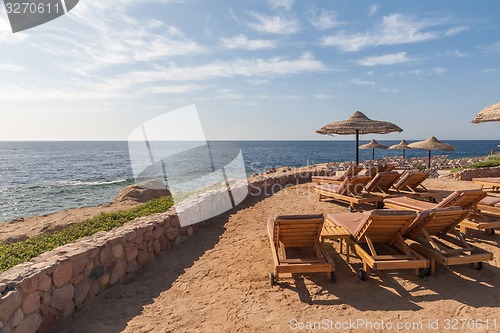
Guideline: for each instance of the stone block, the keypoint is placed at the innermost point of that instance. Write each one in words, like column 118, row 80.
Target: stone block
column 9, row 304
column 31, row 303
column 62, row 274
column 118, row 271
column 62, row 297
column 131, row 255
column 117, row 251
column 81, row 292
column 29, row 324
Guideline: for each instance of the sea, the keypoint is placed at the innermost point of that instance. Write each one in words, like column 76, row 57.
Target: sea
column 38, row 178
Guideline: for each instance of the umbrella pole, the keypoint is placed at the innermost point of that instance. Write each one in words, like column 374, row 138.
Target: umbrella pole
column 429, row 163
column 404, row 153
column 373, row 154
column 357, row 147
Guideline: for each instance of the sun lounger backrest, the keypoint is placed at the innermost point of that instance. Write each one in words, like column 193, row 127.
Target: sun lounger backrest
column 355, row 185
column 352, row 170
column 382, row 181
column 465, row 199
column 383, row 225
column 436, row 221
column 388, row 167
column 296, row 230
column 416, row 179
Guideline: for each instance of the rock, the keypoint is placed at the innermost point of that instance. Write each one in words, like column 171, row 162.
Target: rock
column 105, row 255
column 142, row 257
column 62, row 296
column 17, row 318
column 117, row 251
column 131, row 255
column 9, row 303
column 44, row 282
column 172, row 233
column 62, row 274
column 118, row 271
column 31, row 303
column 156, row 247
column 132, row 267
column 29, row 284
column 30, row 324
column 81, row 292
column 142, row 192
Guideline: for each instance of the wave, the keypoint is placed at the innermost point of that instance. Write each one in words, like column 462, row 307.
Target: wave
column 63, row 183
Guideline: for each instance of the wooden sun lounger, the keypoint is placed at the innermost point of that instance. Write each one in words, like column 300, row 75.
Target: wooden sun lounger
column 490, row 182
column 351, row 171
column 411, row 183
column 350, row 191
column 490, row 205
column 382, row 183
column 299, row 234
column 433, row 234
column 378, row 240
column 465, row 199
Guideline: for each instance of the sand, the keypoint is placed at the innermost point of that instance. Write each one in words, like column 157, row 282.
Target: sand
column 21, row 229
column 217, row 281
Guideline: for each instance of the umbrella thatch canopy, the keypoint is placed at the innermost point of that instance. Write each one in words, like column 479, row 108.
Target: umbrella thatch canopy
column 431, row 144
column 490, row 113
column 358, row 124
column 402, row 145
column 373, row 145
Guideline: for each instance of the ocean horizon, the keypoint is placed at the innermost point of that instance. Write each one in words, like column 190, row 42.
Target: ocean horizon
column 42, row 177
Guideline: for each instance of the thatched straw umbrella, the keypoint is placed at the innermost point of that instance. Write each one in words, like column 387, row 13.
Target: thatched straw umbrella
column 490, row 113
column 358, row 124
column 373, row 145
column 402, row 145
column 431, row 144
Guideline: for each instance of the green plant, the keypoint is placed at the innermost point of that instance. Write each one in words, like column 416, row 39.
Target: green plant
column 491, row 161
column 12, row 254
column 456, row 170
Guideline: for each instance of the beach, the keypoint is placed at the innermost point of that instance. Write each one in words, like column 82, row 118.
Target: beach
column 217, row 281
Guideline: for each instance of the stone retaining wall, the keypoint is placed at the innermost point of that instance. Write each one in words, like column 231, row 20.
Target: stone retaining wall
column 468, row 174
column 35, row 296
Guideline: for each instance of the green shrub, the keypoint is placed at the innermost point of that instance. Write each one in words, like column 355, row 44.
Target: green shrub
column 491, row 161
column 12, row 254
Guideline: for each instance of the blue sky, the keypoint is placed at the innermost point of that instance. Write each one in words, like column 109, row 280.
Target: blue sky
column 256, row 70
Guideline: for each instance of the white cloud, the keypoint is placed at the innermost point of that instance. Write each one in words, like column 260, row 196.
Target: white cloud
column 287, row 4
column 171, row 89
column 395, row 29
column 359, row 82
column 491, row 70
column 102, row 34
column 227, row 94
column 253, row 68
column 322, row 19
column 386, row 59
column 274, row 24
column 420, row 72
column 389, row 90
column 11, row 67
column 373, row 9
column 455, row 30
column 322, row 96
column 242, row 42
column 494, row 47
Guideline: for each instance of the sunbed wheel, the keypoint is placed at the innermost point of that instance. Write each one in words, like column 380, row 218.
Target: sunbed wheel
column 362, row 274
column 428, row 271
column 380, row 205
column 490, row 232
column 423, row 272
column 334, row 277
column 351, row 209
column 272, row 279
column 478, row 266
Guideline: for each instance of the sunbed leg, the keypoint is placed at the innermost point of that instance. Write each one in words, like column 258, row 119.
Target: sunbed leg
column 463, row 230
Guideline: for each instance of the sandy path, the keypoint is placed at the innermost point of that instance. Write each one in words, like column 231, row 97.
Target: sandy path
column 217, row 282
